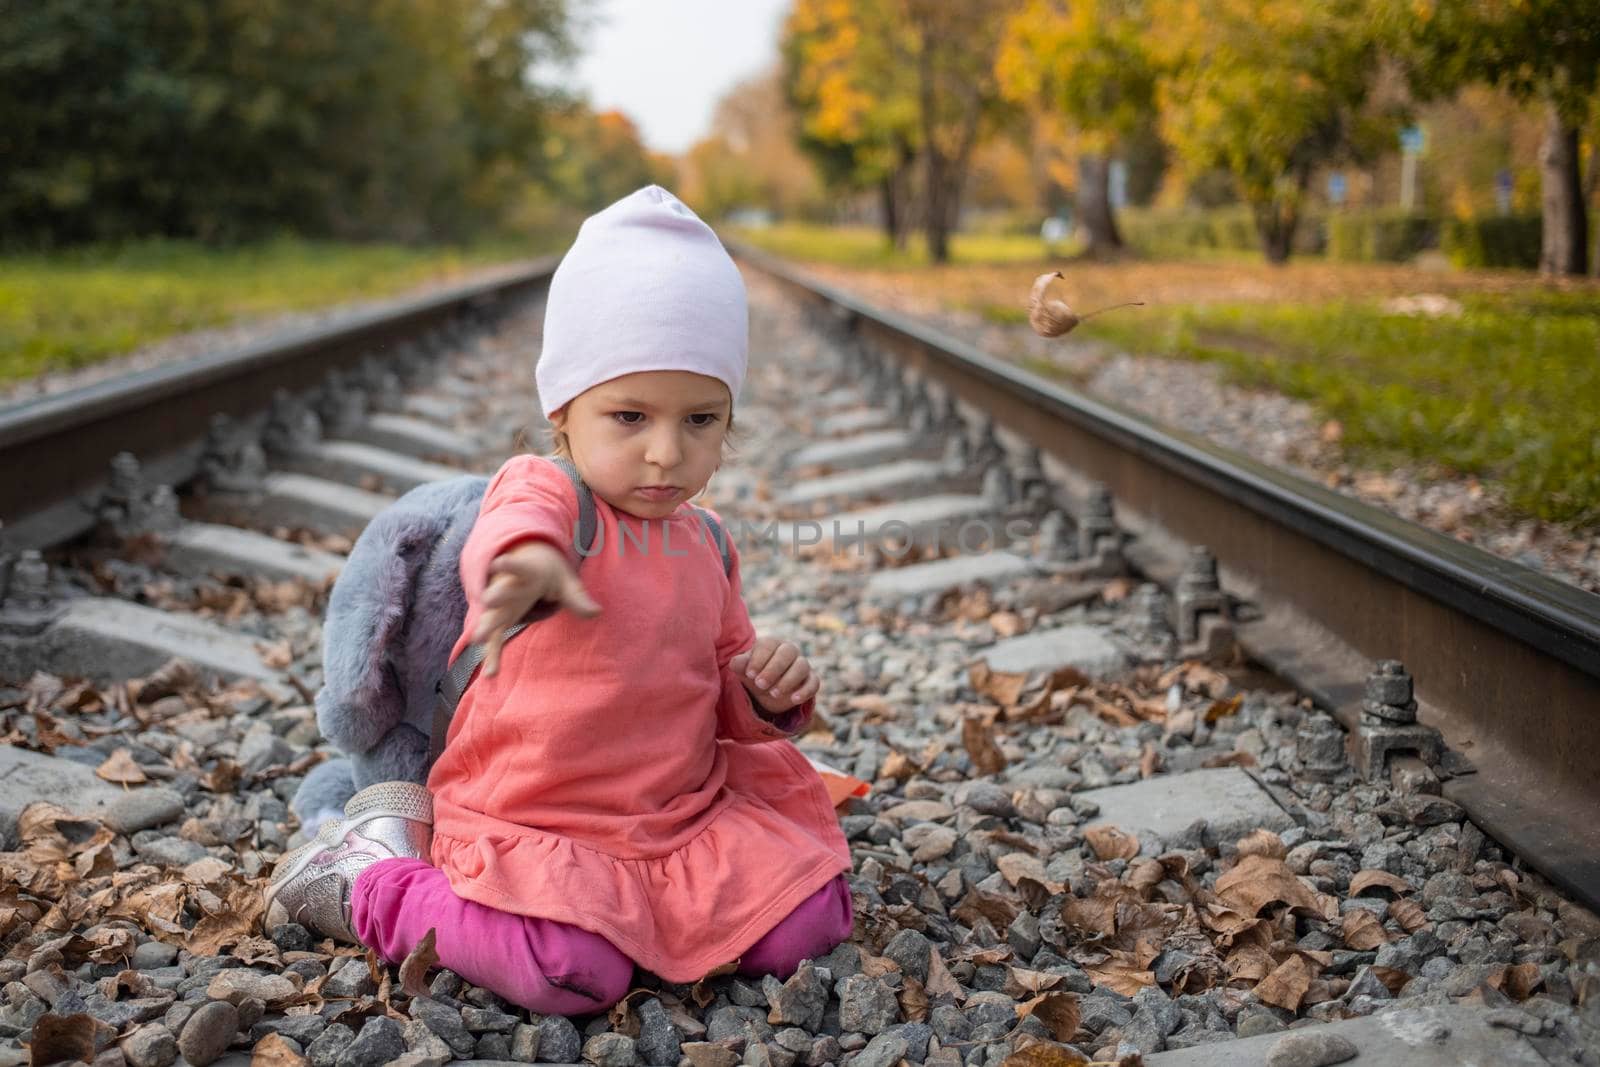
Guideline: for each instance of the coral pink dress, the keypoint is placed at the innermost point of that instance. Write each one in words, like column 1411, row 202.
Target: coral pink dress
column 615, row 774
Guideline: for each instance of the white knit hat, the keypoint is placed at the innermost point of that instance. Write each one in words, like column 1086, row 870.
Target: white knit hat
column 646, row 286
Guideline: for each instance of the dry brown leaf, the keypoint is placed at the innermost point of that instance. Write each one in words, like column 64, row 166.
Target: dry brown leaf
column 1409, row 914
column 1519, row 981
column 1127, row 972
column 1262, row 843
column 414, row 969
column 941, row 983
column 1259, row 881
column 1094, row 915
column 897, row 765
column 1288, row 984
column 1002, row 687
column 871, row 704
column 1393, row 978
column 120, row 768
column 1058, row 1012
column 977, row 737
column 1362, row 931
column 878, row 966
column 1006, row 623
column 913, row 1000
column 1045, row 1054
column 1111, row 842
column 274, row 654
column 1362, row 881
column 274, row 1051
column 1149, row 760
column 1221, row 709
column 63, row 1038
column 1229, row 759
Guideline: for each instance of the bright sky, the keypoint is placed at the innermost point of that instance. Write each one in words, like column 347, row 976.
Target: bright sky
column 664, row 63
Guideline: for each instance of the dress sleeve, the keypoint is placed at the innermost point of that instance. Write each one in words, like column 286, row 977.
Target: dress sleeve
column 529, row 499
column 739, row 717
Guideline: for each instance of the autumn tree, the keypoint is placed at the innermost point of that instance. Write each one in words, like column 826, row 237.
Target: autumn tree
column 1268, row 90
column 844, row 77
column 1546, row 51
column 1085, row 61
column 751, row 157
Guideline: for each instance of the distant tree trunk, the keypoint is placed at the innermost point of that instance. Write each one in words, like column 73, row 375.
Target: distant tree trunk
column 893, row 224
column 1094, row 204
column 1564, row 244
column 1275, row 224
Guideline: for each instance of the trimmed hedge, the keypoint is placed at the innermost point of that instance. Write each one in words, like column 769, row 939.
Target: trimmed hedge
column 1169, row 234
column 1494, row 241
column 1380, row 236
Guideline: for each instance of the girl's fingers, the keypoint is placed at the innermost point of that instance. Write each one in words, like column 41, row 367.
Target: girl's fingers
column 807, row 690
column 577, row 598
column 791, row 679
column 785, row 655
column 491, row 653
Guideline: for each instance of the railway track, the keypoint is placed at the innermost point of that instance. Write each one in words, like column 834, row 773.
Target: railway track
column 1045, row 678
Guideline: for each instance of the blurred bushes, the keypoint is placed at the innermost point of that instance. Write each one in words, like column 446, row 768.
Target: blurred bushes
column 1498, row 241
column 1380, row 236
column 1180, row 234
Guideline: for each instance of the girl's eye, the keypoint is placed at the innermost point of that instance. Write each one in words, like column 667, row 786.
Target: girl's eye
column 707, row 418
column 627, row 417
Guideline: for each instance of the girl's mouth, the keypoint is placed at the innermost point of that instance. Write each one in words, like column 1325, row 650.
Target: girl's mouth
column 658, row 492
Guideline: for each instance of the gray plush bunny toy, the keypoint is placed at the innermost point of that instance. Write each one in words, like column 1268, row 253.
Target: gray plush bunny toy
column 393, row 615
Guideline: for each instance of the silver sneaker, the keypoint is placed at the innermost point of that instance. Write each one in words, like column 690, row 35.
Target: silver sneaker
column 312, row 884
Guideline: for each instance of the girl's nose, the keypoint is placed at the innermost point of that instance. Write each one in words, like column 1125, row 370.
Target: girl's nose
column 664, row 449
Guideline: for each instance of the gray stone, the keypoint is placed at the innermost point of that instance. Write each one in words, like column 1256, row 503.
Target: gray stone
column 735, row 1021
column 27, row 777
column 239, row 983
column 1082, row 647
column 1310, row 1048
column 170, row 851
column 208, row 1032
column 609, row 1050
column 302, row 1028
column 800, row 1001
column 949, row 1024
column 558, row 1040
column 1165, row 805
column 151, row 1045
column 445, row 1021
column 917, row 1037
column 261, row 748
column 525, row 1043
column 986, row 798
column 152, row 955
column 491, row 1046
column 353, row 979
column 885, row 1050
column 867, row 1005
column 379, row 1042
column 989, row 1008
column 910, row 949
column 487, row 1020
column 659, row 1043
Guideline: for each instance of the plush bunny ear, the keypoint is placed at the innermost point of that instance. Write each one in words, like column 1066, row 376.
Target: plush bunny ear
column 362, row 696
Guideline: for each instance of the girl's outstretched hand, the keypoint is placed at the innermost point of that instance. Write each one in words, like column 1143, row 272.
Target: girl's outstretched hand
column 776, row 674
column 519, row 579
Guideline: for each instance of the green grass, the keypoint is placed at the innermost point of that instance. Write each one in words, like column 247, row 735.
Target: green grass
column 862, row 246
column 1510, row 390
column 68, row 309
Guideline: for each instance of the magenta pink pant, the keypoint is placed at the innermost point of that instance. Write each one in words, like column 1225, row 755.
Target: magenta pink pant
column 549, row 967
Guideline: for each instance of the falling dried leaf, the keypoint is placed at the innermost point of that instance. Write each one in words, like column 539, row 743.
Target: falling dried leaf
column 414, row 969
column 1262, row 843
column 977, row 737
column 1260, row 881
column 1362, row 931
column 1058, row 1012
column 1288, row 984
column 120, row 768
column 1111, row 842
column 1362, row 881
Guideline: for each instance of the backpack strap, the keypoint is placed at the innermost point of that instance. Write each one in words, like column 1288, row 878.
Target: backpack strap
column 464, row 668
column 717, row 536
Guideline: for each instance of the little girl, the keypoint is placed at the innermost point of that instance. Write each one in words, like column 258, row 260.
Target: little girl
column 616, row 788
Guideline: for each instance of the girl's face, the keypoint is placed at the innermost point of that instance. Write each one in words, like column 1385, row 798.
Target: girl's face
column 641, row 431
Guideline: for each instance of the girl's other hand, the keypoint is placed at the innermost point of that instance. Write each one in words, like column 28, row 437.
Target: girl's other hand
column 776, row 674
column 520, row 578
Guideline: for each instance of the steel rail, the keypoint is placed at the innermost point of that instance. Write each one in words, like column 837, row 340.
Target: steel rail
column 55, row 451
column 1506, row 660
